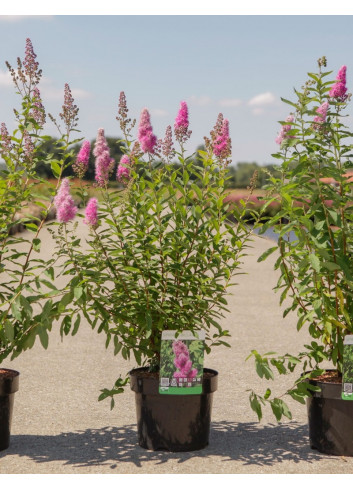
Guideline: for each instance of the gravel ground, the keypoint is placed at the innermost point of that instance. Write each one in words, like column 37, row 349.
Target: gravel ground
column 59, row 427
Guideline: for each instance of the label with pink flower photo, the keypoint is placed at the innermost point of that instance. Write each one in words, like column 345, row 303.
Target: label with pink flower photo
column 181, row 367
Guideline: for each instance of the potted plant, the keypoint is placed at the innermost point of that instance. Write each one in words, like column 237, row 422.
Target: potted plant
column 28, row 296
column 160, row 256
column 315, row 229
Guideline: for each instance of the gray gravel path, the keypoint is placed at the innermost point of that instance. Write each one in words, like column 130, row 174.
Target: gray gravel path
column 60, row 427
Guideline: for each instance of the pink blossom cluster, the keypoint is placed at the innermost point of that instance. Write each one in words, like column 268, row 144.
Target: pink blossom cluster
column 28, row 146
column 167, row 144
column 38, row 112
column 29, row 63
column 123, row 172
column 91, row 213
column 181, row 124
column 69, row 112
column 123, row 110
column 147, row 139
column 81, row 164
column 321, row 117
column 222, row 143
column 284, row 130
column 6, row 145
column 339, row 89
column 64, row 203
column 182, row 361
column 104, row 163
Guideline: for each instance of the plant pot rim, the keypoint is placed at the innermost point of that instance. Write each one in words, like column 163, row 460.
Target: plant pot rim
column 322, row 381
column 150, row 386
column 329, row 390
column 9, row 384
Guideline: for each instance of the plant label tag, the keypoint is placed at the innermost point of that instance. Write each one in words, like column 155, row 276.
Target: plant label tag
column 181, row 365
column 347, row 371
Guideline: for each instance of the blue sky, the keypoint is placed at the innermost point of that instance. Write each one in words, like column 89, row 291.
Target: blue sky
column 239, row 65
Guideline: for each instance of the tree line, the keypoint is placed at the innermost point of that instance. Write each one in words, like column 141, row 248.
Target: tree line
column 240, row 174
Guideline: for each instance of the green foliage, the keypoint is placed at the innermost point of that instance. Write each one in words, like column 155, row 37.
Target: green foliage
column 162, row 257
column 315, row 268
column 28, row 304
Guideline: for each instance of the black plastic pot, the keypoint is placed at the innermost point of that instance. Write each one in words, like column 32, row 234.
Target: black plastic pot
column 330, row 420
column 9, row 381
column 177, row 423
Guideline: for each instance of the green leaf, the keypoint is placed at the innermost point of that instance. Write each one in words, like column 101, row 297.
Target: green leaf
column 331, row 266
column 15, row 308
column 289, row 102
column 43, row 336
column 9, row 330
column 56, row 169
column 36, row 244
column 31, row 226
column 65, row 301
column 49, row 272
column 76, row 325
column 255, row 405
column 267, row 393
column 263, row 369
column 267, row 253
column 315, row 262
column 280, row 408
column 78, row 291
column 148, row 320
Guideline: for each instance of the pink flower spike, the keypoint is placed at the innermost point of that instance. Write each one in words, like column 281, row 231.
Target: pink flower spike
column 341, row 75
column 147, row 139
column 91, row 214
column 123, row 172
column 38, row 112
column 167, row 144
column 284, row 129
column 63, row 193
column 321, row 117
column 83, row 154
column 181, row 125
column 67, row 211
column 64, row 203
column 5, row 139
column 222, row 145
column 339, row 89
column 29, row 63
column 104, row 163
column 81, row 164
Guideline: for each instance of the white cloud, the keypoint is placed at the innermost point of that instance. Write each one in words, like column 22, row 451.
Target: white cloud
column 80, row 93
column 158, row 112
column 20, row 18
column 230, row 102
column 5, row 79
column 48, row 91
column 202, row 100
column 266, row 98
column 258, row 111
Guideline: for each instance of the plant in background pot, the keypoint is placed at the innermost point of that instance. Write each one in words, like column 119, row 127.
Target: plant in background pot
column 315, row 244
column 161, row 256
column 27, row 292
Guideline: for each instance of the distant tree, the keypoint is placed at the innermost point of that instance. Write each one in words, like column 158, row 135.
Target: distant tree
column 244, row 172
column 240, row 174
